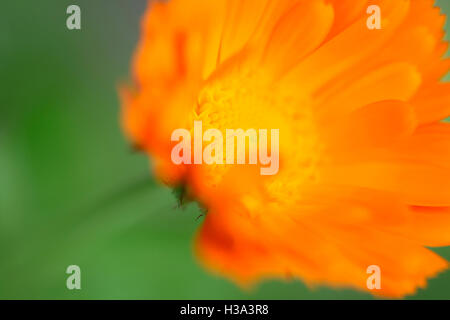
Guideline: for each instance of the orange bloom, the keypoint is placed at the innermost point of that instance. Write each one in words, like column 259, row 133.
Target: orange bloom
column 364, row 175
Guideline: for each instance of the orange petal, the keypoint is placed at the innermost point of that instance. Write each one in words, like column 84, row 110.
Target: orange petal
column 376, row 125
column 338, row 55
column 415, row 183
column 398, row 81
column 433, row 104
column 298, row 32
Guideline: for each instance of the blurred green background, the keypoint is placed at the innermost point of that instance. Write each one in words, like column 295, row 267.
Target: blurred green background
column 71, row 189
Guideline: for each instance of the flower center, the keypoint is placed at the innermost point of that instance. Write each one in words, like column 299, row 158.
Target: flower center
column 248, row 100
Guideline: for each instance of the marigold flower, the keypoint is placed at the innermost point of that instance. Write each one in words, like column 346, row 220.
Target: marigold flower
column 364, row 175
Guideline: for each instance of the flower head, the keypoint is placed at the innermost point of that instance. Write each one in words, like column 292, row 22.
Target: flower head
column 364, row 175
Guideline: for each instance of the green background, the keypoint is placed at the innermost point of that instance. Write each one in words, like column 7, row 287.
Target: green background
column 71, row 189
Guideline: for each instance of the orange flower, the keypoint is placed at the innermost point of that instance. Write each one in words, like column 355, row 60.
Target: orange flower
column 364, row 174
